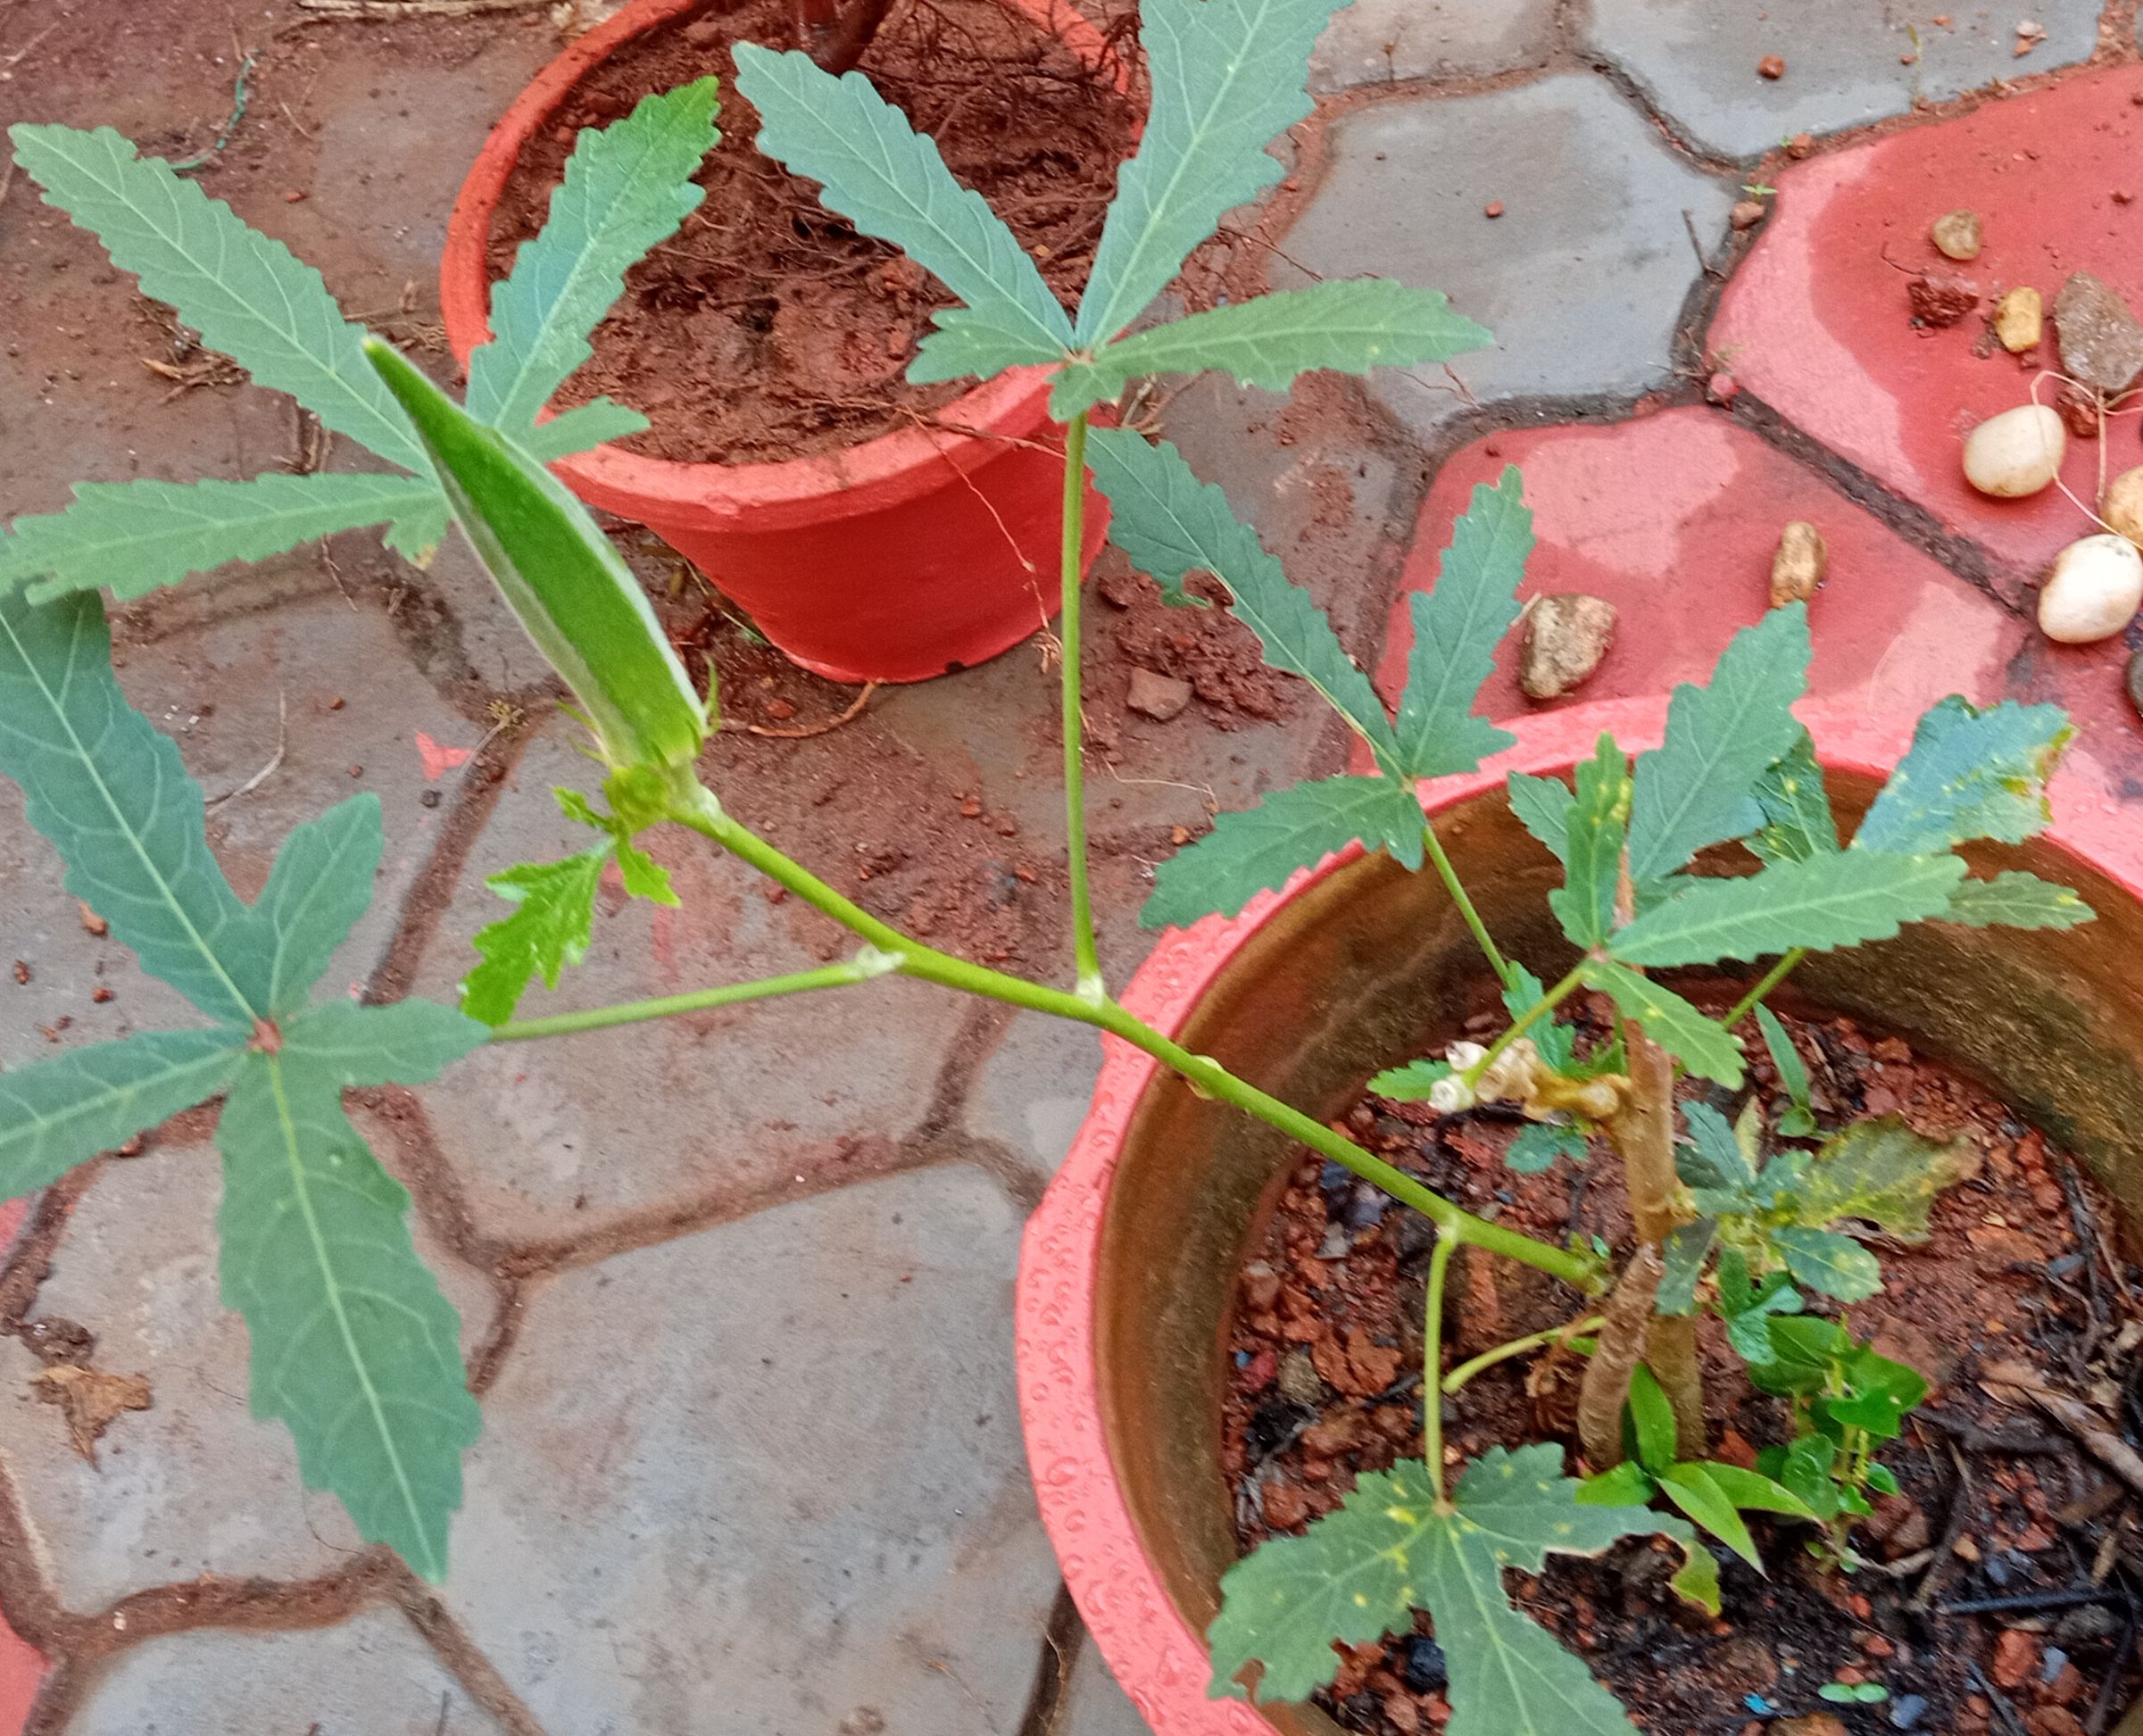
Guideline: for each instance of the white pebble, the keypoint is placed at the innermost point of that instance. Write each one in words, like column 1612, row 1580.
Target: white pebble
column 2093, row 591
column 2017, row 452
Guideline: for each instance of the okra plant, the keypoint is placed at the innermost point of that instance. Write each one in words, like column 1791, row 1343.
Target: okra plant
column 353, row 1343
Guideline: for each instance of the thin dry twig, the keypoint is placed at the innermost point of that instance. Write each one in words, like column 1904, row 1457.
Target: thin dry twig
column 804, row 732
column 2079, row 1418
column 282, row 720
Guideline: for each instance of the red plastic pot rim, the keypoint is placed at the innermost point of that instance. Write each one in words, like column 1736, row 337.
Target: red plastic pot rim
column 1159, row 1660
column 887, row 471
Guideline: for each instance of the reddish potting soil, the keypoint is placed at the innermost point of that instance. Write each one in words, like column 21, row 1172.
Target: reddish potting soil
column 1997, row 1502
column 767, row 329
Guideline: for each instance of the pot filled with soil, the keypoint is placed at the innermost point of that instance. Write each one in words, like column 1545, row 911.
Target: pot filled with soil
column 873, row 530
column 1221, row 1334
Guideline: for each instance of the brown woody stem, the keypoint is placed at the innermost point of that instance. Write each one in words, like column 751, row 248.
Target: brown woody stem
column 1623, row 1324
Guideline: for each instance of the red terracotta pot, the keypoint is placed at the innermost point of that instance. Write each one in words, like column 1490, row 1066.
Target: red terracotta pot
column 1129, row 1264
column 895, row 559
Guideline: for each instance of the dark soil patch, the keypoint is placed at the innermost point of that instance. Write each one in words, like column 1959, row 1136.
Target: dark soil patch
column 767, row 328
column 1326, row 1343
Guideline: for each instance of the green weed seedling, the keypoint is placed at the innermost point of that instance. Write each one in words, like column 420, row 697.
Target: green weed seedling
column 353, row 1345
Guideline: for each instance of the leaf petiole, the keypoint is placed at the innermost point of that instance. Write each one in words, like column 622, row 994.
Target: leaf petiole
column 1768, row 981
column 1531, row 1016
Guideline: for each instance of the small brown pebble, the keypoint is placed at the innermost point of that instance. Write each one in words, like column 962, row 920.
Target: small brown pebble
column 1772, row 66
column 970, row 808
column 429, row 799
column 1493, row 208
column 1801, row 146
column 1567, row 635
column 335, row 705
column 293, row 196
column 780, row 710
column 2016, row 1657
column 1746, row 213
column 94, row 924
column 2053, row 1721
column 1285, row 1506
column 100, row 995
column 1811, row 1723
column 2135, row 682
column 2123, row 196
column 356, row 770
column 1722, row 389
column 2020, row 318
column 2079, row 411
column 1161, row 697
column 1940, row 301
column 22, row 971
column 1798, row 567
column 1179, row 836
column 1958, row 234
column 132, row 1148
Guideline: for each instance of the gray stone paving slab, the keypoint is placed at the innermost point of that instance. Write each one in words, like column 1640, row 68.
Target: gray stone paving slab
column 767, row 1481
column 1095, row 1705
column 1031, row 1091
column 1582, row 280
column 1847, row 60
column 372, row 1676
column 550, row 1139
column 193, row 1484
column 1375, row 41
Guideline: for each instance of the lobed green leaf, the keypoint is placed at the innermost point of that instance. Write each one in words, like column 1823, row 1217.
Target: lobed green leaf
column 1456, row 627
column 1881, row 1172
column 1822, row 903
column 1825, row 1261
column 1411, row 1083
column 553, row 921
column 1969, row 774
column 1538, row 1143
column 1681, row 1029
column 57, row 1113
column 580, row 428
column 1797, row 822
column 2013, row 899
column 1543, row 806
column 1584, row 903
column 245, row 294
column 320, row 885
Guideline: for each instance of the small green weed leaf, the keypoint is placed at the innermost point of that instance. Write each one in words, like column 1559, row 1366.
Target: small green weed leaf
column 1348, row 327
column 1797, row 822
column 1627, row 1484
column 1359, row 1572
column 58, row 1113
column 1253, row 849
column 1799, row 1121
column 1584, row 903
column 1538, row 1145
column 1691, row 1489
column 129, row 537
column 581, row 429
column 1826, row 1261
column 1753, row 1492
column 890, row 182
column 1970, row 773
column 1696, row 788
column 1456, row 627
column 1557, row 1043
column 574, row 595
column 1853, row 1693
column 1688, row 1247
column 644, row 877
column 1171, row 524
column 1228, row 76
column 1676, row 1027
column 626, row 187
column 1749, row 1307
column 1651, row 1422
column 1822, row 903
column 1697, row 1581
column 116, row 802
column 1718, row 1159
column 1882, row 1480
column 1879, row 1392
column 353, row 1345
column 2016, row 900
column 1880, row 1171
column 320, row 885
column 1806, row 1351
column 1542, row 805
column 244, row 293
column 552, row 923
column 1803, row 1469
column 1412, row 1082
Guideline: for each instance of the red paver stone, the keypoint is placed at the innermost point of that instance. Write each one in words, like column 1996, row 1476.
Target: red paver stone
column 1816, row 324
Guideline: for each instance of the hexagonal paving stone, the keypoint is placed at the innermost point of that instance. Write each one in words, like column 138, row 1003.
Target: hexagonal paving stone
column 1375, row 41
column 768, row 1478
column 1848, row 62
column 1817, row 325
column 551, row 1138
column 193, row 1484
column 1583, row 277
column 1674, row 518
column 1033, row 1090
column 371, row 1676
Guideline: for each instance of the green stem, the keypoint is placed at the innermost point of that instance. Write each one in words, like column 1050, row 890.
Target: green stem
column 1431, row 1363
column 1516, row 1347
column 1497, row 962
column 1771, row 979
column 697, row 807
column 1086, row 955
column 1532, row 1014
column 830, row 976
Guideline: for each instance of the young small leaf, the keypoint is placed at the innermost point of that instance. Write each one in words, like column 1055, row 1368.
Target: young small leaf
column 1346, row 326
column 320, row 885
column 1798, row 1120
column 1557, row 1043
column 1696, row 788
column 1253, row 849
column 1824, row 1260
column 1803, row 1469
column 1539, row 1144
column 1718, row 1159
column 626, row 187
column 1584, row 903
column 1227, row 76
column 2015, row 900
column 1822, row 903
column 244, row 293
column 574, row 595
column 1171, row 524
column 1627, row 1484
column 1970, row 773
column 1681, row 1029
column 1691, row 1489
column 1753, row 1492
column 1748, row 1308
column 1687, row 1247
column 58, row 1113
column 1457, row 626
column 1359, row 1571
column 1882, row 1171
column 890, row 182
column 1798, row 822
column 552, row 922
column 1543, row 806
column 1412, row 1082
column 129, row 537
column 1651, row 1422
